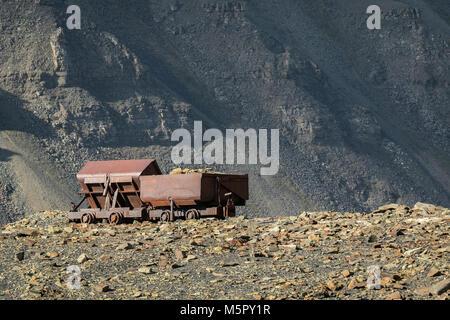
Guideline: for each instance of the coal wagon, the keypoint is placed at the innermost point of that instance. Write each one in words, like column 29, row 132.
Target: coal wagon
column 120, row 190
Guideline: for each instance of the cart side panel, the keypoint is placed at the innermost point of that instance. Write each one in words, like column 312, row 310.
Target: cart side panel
column 237, row 184
column 184, row 189
column 97, row 177
column 192, row 189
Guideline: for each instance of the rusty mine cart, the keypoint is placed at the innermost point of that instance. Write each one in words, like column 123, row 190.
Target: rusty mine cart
column 121, row 190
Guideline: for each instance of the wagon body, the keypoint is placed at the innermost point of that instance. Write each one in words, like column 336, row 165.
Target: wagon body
column 136, row 189
column 194, row 189
column 99, row 181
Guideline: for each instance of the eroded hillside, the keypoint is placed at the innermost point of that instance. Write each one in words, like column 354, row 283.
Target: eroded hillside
column 363, row 114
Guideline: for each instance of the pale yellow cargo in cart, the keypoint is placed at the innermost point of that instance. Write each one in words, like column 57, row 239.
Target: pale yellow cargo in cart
column 188, row 171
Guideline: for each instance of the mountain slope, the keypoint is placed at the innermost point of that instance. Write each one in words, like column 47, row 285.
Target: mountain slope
column 363, row 114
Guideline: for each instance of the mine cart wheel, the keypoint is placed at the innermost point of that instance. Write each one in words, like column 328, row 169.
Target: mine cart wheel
column 165, row 216
column 88, row 218
column 191, row 214
column 115, row 218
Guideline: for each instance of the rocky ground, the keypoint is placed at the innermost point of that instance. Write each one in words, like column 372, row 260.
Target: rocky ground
column 314, row 255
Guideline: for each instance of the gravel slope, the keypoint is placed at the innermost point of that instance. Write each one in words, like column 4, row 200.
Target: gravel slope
column 314, row 255
column 363, row 114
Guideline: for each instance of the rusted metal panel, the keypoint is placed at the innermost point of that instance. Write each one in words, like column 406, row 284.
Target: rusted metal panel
column 237, row 184
column 100, row 179
column 192, row 189
column 130, row 168
column 121, row 179
column 179, row 187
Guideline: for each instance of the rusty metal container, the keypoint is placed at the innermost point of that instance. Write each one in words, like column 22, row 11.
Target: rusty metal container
column 194, row 189
column 99, row 181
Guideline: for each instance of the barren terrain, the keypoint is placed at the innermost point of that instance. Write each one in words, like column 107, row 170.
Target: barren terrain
column 312, row 255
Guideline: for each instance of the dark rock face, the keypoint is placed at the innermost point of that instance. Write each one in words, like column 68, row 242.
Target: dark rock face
column 363, row 114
